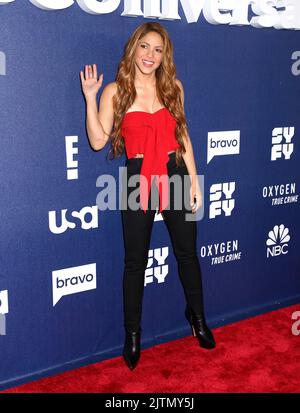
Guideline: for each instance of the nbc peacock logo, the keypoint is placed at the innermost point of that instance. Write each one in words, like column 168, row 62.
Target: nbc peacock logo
column 278, row 241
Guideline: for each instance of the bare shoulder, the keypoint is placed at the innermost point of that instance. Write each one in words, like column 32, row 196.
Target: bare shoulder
column 112, row 86
column 179, row 83
column 106, row 98
column 106, row 111
column 110, row 89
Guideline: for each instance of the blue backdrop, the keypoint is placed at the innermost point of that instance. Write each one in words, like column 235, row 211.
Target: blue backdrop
column 61, row 300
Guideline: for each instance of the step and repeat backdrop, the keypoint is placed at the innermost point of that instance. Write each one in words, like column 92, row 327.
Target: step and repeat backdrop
column 62, row 257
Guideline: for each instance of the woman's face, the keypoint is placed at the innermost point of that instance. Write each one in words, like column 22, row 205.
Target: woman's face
column 148, row 54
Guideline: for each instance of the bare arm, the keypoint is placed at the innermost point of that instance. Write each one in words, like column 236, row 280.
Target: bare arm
column 188, row 156
column 99, row 123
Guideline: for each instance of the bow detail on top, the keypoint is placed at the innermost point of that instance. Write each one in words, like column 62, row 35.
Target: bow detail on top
column 154, row 165
column 152, row 134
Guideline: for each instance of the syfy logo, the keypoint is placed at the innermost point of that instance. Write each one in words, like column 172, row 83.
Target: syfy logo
column 160, row 270
column 223, row 143
column 217, row 202
column 296, row 65
column 278, row 241
column 2, row 64
column 281, row 142
column 281, row 14
column 73, row 280
column 81, row 215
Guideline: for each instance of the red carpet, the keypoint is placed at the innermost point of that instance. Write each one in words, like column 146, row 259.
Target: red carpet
column 259, row 355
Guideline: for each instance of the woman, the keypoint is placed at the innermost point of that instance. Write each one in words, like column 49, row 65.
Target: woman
column 143, row 112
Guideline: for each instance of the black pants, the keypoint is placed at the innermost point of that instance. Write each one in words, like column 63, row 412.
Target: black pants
column 137, row 228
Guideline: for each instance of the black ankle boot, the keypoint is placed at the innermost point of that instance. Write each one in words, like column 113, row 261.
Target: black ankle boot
column 132, row 348
column 200, row 329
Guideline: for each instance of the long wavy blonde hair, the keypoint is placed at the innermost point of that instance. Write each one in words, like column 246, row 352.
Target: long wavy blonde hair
column 168, row 92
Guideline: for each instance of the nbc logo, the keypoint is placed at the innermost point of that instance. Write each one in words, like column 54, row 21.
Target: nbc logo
column 278, row 241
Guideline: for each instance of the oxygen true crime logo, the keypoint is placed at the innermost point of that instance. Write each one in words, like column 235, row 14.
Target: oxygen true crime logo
column 281, row 194
column 281, row 14
column 222, row 252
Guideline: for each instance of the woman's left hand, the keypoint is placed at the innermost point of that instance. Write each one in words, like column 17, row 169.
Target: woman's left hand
column 195, row 197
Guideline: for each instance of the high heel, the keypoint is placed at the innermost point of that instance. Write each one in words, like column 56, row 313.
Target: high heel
column 132, row 348
column 200, row 329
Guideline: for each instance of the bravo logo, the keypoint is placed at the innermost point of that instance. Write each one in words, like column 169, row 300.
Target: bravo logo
column 223, row 143
column 278, row 241
column 73, row 280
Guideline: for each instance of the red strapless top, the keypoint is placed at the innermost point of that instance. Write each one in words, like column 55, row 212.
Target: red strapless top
column 152, row 134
